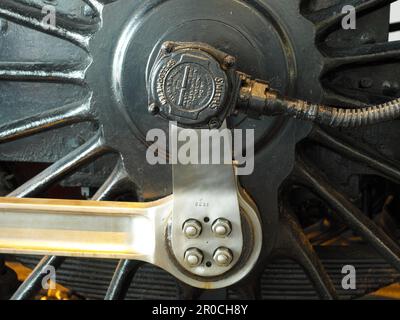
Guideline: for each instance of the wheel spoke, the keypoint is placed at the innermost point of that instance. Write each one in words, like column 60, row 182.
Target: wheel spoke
column 356, row 153
column 333, row 98
column 117, row 183
column 96, row 5
column 329, row 19
column 43, row 72
column 379, row 52
column 122, row 279
column 349, row 213
column 76, row 31
column 63, row 116
column 33, row 283
column 89, row 151
column 293, row 243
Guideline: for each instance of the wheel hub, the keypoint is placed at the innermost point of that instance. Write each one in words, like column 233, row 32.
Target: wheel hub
column 131, row 36
column 189, row 86
column 137, row 35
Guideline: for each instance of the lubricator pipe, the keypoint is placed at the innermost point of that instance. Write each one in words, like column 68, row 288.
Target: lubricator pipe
column 257, row 98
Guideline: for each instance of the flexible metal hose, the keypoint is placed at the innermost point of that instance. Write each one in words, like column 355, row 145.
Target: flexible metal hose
column 332, row 116
column 257, row 98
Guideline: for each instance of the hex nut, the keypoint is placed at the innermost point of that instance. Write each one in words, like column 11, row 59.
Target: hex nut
column 223, row 257
column 221, row 228
column 193, row 257
column 192, row 229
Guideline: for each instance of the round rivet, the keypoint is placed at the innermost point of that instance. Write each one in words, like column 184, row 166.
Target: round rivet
column 214, row 123
column 154, row 109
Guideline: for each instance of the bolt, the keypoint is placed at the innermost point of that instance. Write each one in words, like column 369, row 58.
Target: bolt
column 193, row 257
column 223, row 257
column 154, row 109
column 221, row 227
column 191, row 228
column 229, row 62
column 214, row 123
column 167, row 47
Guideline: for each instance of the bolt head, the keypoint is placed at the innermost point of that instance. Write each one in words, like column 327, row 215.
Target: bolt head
column 223, row 257
column 193, row 257
column 214, row 123
column 154, row 109
column 221, row 228
column 192, row 229
column 167, row 47
column 229, row 62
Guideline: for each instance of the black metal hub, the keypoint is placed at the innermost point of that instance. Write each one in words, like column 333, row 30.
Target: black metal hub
column 138, row 29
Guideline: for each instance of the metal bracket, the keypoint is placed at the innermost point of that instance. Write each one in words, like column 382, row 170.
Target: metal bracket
column 206, row 224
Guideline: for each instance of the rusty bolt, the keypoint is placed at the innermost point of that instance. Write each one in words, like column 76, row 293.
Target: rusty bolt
column 167, row 47
column 229, row 62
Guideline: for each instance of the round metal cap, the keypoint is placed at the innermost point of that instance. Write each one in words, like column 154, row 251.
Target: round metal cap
column 188, row 86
